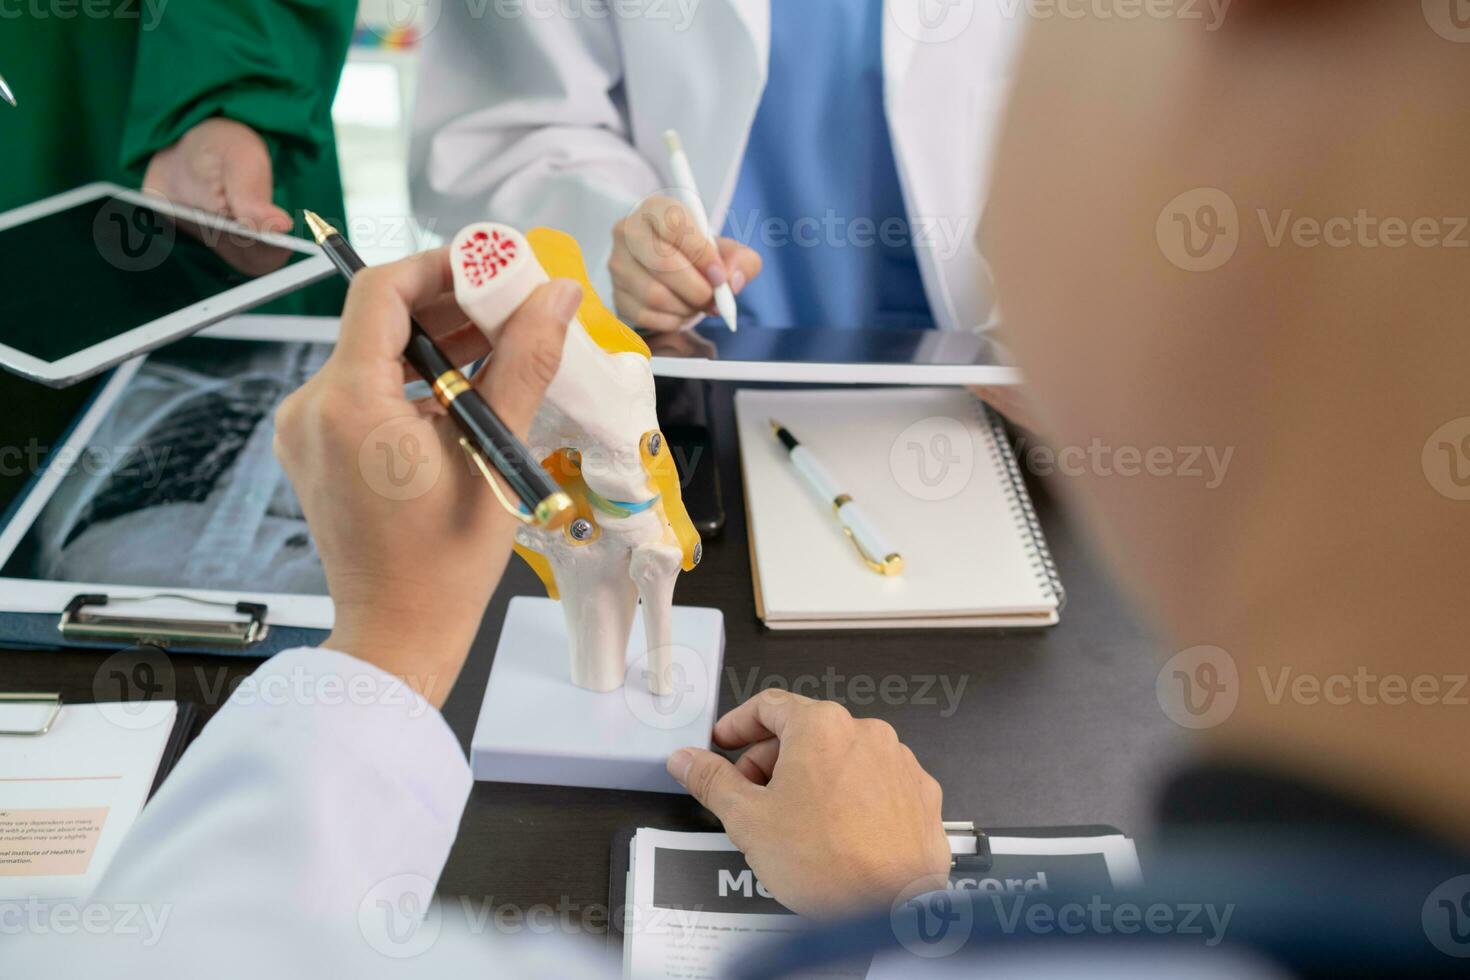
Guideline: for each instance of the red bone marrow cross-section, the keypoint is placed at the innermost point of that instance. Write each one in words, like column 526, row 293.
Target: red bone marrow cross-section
column 484, row 252
column 495, row 270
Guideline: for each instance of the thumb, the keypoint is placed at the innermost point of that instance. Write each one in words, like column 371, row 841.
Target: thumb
column 248, row 186
column 528, row 352
column 712, row 780
column 741, row 261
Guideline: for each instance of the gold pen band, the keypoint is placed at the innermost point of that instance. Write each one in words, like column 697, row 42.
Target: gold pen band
column 889, row 564
column 449, row 386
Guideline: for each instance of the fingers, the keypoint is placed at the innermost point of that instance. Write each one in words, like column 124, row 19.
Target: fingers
column 664, row 268
column 631, row 311
column 375, row 329
column 741, row 262
column 758, row 764
column 224, row 167
column 671, row 223
column 712, row 780
column 454, row 333
column 692, row 286
column 463, row 346
column 764, row 716
column 442, row 316
column 660, row 274
column 528, row 353
column 248, row 186
column 375, row 318
column 649, row 300
column 643, row 299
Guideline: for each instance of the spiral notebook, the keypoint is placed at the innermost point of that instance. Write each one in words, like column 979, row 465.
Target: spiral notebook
column 932, row 468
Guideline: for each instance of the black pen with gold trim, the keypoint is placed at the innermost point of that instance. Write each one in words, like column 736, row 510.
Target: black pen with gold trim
column 487, row 437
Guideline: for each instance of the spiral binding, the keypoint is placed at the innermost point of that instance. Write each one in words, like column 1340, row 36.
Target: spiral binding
column 1021, row 510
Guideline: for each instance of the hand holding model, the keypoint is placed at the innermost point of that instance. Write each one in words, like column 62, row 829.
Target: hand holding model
column 664, row 269
column 411, row 572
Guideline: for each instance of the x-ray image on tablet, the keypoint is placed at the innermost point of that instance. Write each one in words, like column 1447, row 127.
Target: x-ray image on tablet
column 170, row 483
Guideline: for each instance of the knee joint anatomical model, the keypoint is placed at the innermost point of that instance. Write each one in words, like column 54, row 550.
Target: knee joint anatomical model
column 597, row 430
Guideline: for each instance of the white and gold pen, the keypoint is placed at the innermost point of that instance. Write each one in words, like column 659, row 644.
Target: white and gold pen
column 871, row 546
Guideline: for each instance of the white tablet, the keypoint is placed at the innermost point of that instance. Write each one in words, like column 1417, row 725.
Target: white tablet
column 100, row 274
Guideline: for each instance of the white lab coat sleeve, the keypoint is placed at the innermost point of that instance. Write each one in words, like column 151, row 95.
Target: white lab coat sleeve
column 520, row 119
column 319, row 780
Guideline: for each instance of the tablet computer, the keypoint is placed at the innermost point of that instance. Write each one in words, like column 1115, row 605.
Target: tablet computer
column 101, row 273
column 828, row 355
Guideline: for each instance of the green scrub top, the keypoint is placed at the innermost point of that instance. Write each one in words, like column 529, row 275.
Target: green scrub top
column 104, row 84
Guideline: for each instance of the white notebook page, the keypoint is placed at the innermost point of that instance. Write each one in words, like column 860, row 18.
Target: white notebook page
column 924, row 466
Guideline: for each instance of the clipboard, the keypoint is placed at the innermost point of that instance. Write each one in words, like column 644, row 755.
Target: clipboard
column 238, row 629
column 186, row 725
column 981, row 861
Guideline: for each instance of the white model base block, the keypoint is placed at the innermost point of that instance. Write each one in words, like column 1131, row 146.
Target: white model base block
column 535, row 726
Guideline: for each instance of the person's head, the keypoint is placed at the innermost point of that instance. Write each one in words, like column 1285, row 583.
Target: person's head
column 1236, row 262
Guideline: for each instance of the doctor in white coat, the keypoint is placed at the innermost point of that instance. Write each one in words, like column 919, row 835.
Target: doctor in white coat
column 844, row 143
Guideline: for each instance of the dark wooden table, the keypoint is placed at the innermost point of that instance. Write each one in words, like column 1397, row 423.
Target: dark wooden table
column 1055, row 726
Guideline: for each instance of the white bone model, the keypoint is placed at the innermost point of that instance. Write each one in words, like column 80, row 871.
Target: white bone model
column 597, row 431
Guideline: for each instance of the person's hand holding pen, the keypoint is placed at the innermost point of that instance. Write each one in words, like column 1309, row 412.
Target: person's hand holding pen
column 664, row 269
column 412, row 542
column 833, row 812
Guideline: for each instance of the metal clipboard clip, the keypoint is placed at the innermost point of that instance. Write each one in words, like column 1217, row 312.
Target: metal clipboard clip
column 982, row 859
column 76, row 623
column 54, row 700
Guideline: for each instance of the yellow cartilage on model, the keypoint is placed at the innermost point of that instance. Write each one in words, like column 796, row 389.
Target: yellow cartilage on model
column 561, row 257
column 541, row 566
column 664, row 476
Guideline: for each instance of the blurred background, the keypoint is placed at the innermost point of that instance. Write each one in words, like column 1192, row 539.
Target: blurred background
column 371, row 117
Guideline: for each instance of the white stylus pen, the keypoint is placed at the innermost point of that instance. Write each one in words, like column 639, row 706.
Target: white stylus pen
column 871, row 546
column 5, row 92
column 683, row 176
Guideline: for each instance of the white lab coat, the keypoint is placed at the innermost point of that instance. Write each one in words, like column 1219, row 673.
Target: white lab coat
column 302, row 834
column 547, row 118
